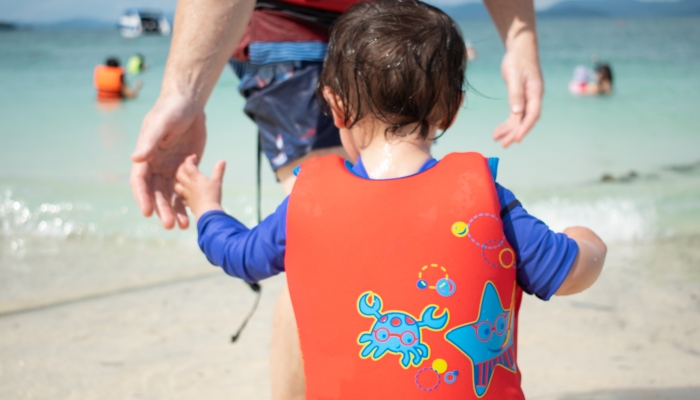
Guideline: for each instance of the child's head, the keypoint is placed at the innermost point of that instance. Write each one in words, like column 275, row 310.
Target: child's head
column 401, row 62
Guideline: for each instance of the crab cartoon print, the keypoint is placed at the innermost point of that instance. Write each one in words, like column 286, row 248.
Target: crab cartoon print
column 396, row 331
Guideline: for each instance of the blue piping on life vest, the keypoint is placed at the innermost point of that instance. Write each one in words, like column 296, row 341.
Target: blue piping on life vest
column 493, row 166
column 492, row 162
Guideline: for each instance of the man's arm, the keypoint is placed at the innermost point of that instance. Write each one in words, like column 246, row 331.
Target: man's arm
column 515, row 21
column 588, row 264
column 205, row 35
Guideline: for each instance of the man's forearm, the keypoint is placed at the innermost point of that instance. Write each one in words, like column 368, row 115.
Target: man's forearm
column 514, row 19
column 205, row 34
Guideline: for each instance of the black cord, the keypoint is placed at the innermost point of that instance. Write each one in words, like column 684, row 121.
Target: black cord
column 254, row 286
column 257, row 289
column 259, row 177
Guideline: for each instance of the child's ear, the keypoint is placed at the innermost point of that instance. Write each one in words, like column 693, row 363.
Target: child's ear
column 444, row 125
column 337, row 107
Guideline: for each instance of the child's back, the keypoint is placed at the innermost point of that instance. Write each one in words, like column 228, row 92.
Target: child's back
column 403, row 286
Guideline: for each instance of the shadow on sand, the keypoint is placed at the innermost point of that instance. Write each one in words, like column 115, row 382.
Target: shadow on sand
column 689, row 393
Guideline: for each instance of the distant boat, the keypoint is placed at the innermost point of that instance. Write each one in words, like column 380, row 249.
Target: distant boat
column 135, row 22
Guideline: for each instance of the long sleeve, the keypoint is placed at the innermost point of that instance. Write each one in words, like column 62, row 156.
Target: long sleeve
column 249, row 254
column 544, row 257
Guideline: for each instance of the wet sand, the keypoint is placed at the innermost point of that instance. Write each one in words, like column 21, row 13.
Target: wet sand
column 156, row 323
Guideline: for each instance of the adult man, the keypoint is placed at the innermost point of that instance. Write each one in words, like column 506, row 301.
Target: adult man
column 279, row 47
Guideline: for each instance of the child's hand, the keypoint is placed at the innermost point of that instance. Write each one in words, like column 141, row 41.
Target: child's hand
column 200, row 194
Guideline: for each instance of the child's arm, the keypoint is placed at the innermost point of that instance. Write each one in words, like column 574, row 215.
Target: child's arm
column 549, row 262
column 249, row 254
column 588, row 264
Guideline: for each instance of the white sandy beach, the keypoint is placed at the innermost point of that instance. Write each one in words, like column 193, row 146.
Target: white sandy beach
column 166, row 335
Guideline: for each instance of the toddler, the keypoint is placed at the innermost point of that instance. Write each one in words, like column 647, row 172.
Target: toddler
column 406, row 273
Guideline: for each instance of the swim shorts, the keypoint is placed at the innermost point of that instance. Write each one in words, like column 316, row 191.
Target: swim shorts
column 281, row 100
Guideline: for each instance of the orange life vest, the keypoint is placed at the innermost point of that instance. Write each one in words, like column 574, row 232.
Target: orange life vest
column 328, row 5
column 108, row 82
column 403, row 288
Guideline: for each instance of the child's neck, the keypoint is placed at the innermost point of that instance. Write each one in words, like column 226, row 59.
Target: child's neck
column 388, row 156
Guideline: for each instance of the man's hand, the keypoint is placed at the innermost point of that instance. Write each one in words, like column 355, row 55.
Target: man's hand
column 173, row 130
column 521, row 72
column 205, row 33
column 515, row 21
column 201, row 194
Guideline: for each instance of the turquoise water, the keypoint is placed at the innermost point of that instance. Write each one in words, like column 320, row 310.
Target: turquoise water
column 64, row 162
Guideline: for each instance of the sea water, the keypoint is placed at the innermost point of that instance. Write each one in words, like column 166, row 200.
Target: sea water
column 67, row 214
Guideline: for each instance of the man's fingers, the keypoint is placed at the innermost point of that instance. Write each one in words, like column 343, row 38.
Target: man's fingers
column 140, row 186
column 531, row 115
column 533, row 108
column 516, row 91
column 516, row 101
column 501, row 131
column 506, row 131
column 180, row 212
column 183, row 220
column 218, row 174
column 163, row 207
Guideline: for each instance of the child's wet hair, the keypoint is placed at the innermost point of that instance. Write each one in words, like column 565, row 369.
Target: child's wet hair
column 401, row 61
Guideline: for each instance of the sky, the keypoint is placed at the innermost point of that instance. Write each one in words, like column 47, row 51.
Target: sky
column 33, row 11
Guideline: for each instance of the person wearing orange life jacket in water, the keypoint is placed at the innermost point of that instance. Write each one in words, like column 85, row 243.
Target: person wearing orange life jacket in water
column 110, row 83
column 406, row 273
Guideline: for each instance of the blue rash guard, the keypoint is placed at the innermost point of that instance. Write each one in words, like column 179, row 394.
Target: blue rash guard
column 543, row 257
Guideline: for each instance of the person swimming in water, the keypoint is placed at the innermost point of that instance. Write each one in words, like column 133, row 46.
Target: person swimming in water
column 136, row 64
column 582, row 83
column 111, row 84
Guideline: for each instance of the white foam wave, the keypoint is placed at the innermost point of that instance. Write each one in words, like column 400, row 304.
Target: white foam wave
column 613, row 219
column 46, row 220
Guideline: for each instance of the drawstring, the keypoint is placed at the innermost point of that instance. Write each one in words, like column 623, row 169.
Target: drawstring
column 257, row 289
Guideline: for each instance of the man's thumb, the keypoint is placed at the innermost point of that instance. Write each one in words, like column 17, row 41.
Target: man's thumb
column 147, row 143
column 218, row 173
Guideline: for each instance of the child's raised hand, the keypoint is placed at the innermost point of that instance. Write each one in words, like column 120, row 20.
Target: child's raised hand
column 200, row 194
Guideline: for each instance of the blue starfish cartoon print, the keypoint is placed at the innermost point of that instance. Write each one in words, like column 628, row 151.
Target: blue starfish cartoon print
column 488, row 341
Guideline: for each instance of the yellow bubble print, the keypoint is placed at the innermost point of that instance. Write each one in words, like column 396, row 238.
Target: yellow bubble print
column 440, row 365
column 460, row 229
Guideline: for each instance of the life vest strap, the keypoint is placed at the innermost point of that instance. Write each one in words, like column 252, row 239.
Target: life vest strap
column 505, row 210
